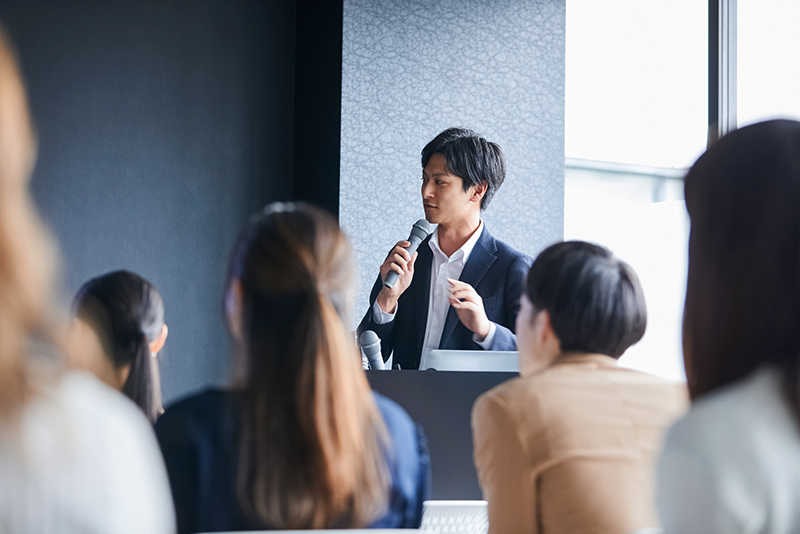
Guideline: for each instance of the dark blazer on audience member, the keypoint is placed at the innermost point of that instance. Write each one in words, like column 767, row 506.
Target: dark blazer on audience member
column 199, row 439
column 494, row 269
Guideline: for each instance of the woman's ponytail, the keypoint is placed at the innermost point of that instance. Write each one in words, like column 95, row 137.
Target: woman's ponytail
column 127, row 313
column 312, row 440
column 139, row 385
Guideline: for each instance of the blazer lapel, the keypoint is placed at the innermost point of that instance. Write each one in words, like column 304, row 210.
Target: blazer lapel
column 421, row 290
column 481, row 258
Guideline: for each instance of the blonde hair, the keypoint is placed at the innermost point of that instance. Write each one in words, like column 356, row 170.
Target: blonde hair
column 313, row 442
column 27, row 253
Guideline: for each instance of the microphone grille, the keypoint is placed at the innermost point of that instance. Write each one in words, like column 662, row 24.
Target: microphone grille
column 424, row 225
column 367, row 337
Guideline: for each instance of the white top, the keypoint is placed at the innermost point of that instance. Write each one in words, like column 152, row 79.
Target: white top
column 442, row 268
column 732, row 464
column 81, row 458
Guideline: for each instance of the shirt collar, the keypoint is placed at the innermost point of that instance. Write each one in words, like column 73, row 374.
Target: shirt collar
column 462, row 253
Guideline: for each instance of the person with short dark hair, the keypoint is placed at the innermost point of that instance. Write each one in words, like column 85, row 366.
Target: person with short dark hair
column 570, row 445
column 472, row 158
column 732, row 464
column 465, row 294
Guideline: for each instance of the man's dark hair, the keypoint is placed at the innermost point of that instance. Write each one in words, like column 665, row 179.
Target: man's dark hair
column 470, row 157
column 595, row 301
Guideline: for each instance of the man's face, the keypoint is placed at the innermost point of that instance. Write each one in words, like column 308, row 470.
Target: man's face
column 443, row 195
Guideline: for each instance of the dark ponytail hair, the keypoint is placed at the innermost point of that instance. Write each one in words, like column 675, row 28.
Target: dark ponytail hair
column 127, row 313
column 312, row 439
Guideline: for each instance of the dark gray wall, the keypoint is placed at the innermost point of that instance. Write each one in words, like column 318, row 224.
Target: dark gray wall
column 162, row 125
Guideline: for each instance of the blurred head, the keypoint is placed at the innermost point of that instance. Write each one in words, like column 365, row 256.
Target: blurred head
column 743, row 289
column 27, row 254
column 311, row 433
column 468, row 156
column 117, row 331
column 579, row 298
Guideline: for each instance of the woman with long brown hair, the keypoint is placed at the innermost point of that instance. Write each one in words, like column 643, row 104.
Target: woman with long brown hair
column 75, row 456
column 733, row 463
column 300, row 441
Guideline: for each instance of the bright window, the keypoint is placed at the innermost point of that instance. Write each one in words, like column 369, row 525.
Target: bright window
column 768, row 70
column 637, row 81
column 636, row 118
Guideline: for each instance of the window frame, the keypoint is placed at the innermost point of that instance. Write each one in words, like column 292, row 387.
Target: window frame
column 722, row 32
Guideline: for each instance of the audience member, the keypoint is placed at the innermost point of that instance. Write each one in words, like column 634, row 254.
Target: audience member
column 75, row 456
column 732, row 465
column 116, row 334
column 300, row 441
column 570, row 446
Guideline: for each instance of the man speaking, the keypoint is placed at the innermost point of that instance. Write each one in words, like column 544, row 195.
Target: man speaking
column 461, row 289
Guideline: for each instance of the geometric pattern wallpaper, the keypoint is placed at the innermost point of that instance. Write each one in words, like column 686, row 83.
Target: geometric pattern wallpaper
column 412, row 68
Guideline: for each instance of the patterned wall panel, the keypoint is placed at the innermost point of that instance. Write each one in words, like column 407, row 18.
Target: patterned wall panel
column 410, row 69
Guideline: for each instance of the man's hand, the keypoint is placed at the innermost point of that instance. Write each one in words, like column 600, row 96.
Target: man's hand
column 399, row 261
column 469, row 307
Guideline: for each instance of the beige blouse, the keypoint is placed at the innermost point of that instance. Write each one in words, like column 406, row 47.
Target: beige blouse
column 572, row 448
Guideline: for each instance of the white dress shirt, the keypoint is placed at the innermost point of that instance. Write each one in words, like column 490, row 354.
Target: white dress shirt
column 732, row 464
column 442, row 268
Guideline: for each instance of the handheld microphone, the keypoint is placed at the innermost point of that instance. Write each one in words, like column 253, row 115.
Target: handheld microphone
column 370, row 345
column 419, row 231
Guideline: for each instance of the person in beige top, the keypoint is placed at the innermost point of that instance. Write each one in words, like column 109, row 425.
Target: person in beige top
column 570, row 446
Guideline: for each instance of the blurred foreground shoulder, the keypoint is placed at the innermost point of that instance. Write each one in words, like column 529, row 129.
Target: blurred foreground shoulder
column 732, row 464
column 86, row 461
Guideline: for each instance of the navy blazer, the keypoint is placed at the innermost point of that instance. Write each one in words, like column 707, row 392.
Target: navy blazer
column 494, row 269
column 199, row 438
